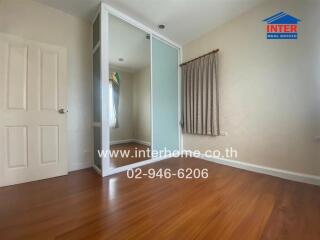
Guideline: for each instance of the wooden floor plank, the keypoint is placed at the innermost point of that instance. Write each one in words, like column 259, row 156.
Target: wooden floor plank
column 137, row 153
column 230, row 204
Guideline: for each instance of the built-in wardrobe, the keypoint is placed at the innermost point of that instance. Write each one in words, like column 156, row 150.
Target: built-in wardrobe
column 164, row 89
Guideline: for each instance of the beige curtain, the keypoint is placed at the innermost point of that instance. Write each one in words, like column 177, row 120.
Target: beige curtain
column 200, row 99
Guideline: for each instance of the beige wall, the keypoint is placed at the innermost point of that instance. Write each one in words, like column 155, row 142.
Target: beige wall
column 125, row 130
column 142, row 105
column 37, row 22
column 269, row 89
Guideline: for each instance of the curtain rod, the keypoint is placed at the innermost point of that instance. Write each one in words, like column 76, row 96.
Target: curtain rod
column 214, row 51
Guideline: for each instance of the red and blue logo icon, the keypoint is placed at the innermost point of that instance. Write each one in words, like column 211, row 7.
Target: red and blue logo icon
column 282, row 26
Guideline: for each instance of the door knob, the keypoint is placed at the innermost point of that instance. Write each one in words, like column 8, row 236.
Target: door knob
column 62, row 111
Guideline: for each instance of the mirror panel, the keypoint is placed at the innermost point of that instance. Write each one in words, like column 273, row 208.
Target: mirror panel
column 129, row 94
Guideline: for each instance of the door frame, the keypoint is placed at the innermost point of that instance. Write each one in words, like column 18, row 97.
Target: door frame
column 105, row 11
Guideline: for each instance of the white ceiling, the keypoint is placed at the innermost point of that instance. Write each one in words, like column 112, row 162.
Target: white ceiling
column 80, row 8
column 129, row 43
column 185, row 20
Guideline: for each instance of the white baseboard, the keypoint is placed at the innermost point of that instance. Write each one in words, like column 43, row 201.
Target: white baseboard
column 120, row 141
column 293, row 176
column 79, row 166
column 97, row 169
column 130, row 140
column 142, row 142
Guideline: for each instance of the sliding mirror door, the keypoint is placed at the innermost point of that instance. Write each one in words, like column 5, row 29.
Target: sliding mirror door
column 129, row 94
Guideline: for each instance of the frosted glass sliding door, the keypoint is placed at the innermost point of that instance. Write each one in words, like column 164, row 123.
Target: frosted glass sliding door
column 165, row 105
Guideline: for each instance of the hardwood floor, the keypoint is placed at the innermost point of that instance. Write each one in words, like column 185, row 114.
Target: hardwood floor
column 230, row 204
column 133, row 158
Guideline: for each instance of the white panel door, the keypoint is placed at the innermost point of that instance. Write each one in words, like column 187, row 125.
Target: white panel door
column 33, row 86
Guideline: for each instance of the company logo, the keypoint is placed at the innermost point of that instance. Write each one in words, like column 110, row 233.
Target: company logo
column 282, row 26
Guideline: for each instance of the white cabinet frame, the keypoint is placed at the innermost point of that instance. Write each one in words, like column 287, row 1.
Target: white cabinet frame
column 105, row 11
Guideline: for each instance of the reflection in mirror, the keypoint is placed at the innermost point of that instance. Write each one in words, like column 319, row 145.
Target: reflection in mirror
column 130, row 94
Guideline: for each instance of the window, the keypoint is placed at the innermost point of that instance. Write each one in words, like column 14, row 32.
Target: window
column 112, row 109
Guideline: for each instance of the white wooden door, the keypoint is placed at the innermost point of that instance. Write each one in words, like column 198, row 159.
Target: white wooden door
column 33, row 140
